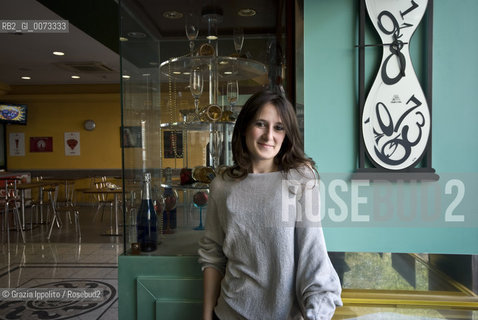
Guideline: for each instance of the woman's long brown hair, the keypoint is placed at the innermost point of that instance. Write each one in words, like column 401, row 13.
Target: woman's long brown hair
column 290, row 156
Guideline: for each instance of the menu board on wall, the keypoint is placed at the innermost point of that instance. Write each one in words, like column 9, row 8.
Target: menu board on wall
column 17, row 144
column 72, row 143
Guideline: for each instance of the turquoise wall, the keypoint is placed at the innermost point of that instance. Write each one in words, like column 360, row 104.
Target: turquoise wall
column 331, row 134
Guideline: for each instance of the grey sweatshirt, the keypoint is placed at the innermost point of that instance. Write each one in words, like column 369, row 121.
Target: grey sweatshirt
column 263, row 234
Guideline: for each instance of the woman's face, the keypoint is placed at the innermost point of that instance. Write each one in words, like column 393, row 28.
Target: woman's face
column 264, row 137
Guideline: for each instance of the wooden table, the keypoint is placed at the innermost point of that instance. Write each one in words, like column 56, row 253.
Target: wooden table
column 114, row 192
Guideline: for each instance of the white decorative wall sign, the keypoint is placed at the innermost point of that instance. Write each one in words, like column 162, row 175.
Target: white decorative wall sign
column 395, row 111
column 396, row 120
column 72, row 143
column 17, row 144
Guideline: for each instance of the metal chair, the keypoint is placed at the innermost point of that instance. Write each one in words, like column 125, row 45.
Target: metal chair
column 102, row 199
column 10, row 203
column 65, row 204
column 36, row 204
column 64, row 201
column 52, row 193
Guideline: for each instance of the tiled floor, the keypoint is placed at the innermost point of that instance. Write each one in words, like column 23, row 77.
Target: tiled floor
column 61, row 263
column 64, row 262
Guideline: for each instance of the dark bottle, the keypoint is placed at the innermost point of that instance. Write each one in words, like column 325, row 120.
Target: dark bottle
column 146, row 224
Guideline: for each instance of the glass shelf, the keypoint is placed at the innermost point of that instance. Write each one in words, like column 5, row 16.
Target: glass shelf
column 228, row 68
column 194, row 186
column 194, row 125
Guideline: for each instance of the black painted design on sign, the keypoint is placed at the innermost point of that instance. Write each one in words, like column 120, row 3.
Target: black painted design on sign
column 398, row 147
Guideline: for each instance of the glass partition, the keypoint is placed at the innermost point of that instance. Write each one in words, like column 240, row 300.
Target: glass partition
column 178, row 128
column 140, row 101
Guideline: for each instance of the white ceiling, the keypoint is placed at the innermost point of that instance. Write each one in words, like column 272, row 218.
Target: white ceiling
column 30, row 54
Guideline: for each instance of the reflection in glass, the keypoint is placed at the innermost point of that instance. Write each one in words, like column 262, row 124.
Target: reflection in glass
column 238, row 35
column 215, row 145
column 232, row 96
column 170, row 197
column 200, row 201
column 211, row 112
column 192, row 30
column 196, row 85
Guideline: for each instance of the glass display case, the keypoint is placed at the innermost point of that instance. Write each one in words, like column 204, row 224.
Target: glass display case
column 179, row 103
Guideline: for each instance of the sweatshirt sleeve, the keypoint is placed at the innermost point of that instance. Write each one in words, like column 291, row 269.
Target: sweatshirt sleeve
column 210, row 246
column 318, row 286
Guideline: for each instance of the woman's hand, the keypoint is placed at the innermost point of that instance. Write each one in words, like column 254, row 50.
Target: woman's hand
column 212, row 288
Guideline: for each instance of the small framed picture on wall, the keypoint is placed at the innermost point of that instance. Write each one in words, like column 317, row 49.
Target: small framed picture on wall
column 173, row 144
column 131, row 137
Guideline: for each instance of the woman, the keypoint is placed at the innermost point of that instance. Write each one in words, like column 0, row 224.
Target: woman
column 263, row 253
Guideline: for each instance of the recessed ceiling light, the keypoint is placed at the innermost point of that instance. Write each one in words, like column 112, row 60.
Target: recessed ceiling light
column 211, row 37
column 125, row 76
column 136, row 34
column 123, row 39
column 176, row 72
column 223, row 62
column 246, row 12
column 58, row 53
column 227, row 72
column 75, row 77
column 26, row 78
column 186, row 73
column 172, row 14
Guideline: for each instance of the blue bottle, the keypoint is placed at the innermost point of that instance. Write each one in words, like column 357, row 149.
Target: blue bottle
column 146, row 224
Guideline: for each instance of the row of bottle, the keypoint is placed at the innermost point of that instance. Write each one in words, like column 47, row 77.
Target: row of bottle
column 154, row 214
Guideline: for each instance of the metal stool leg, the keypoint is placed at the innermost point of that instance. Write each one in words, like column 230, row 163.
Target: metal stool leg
column 77, row 222
column 17, row 215
column 55, row 215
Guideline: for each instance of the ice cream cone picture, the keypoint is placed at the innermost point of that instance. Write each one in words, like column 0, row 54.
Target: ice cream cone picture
column 17, row 144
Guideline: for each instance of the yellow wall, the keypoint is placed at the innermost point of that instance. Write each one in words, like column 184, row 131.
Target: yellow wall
column 54, row 110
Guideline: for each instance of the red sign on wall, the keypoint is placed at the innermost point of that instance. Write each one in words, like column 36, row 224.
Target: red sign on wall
column 41, row 144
